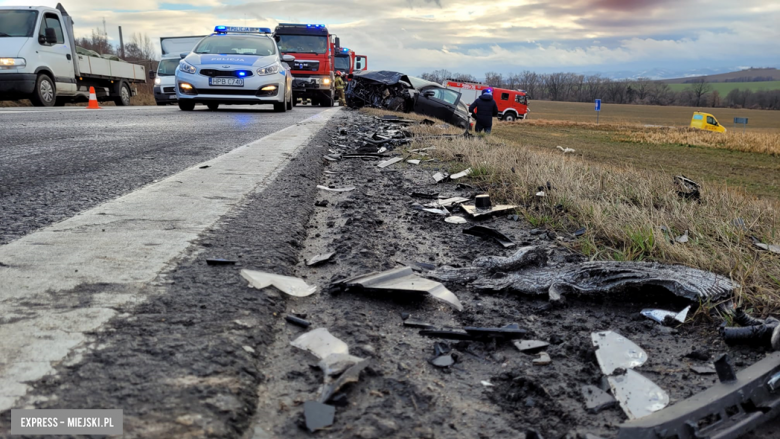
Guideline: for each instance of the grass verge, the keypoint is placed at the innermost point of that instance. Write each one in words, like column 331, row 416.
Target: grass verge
column 630, row 214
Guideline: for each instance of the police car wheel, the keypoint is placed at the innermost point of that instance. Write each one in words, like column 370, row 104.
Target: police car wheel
column 186, row 106
column 290, row 104
column 281, row 107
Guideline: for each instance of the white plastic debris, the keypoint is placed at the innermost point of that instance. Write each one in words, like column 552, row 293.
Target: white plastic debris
column 403, row 279
column 413, row 162
column 566, row 150
column 637, row 395
column 439, row 177
column 321, row 343
column 487, row 384
column 659, row 315
column 447, row 202
column 462, row 174
column 455, row 220
column 541, row 194
column 768, row 247
column 336, row 189
column 437, row 211
column 682, row 239
column 288, row 285
column 389, row 162
column 543, row 360
column 613, row 351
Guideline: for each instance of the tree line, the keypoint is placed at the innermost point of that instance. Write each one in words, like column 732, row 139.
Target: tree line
column 139, row 48
column 572, row 87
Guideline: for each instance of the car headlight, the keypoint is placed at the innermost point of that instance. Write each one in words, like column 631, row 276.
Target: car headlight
column 186, row 67
column 12, row 63
column 157, row 81
column 269, row 70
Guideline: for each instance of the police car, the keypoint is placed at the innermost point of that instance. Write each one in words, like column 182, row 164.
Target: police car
column 235, row 65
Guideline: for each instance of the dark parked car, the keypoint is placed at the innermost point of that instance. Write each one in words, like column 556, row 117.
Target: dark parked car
column 398, row 92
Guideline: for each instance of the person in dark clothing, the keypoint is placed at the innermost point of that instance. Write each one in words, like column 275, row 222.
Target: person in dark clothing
column 484, row 110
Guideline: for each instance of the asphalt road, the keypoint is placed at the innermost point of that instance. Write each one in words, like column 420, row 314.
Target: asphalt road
column 55, row 163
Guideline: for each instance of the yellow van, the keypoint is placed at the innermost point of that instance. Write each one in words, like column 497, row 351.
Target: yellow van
column 706, row 121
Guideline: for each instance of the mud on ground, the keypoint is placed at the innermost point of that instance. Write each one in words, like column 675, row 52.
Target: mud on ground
column 373, row 228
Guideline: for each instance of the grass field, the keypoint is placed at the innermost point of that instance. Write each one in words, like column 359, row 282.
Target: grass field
column 649, row 114
column 725, row 87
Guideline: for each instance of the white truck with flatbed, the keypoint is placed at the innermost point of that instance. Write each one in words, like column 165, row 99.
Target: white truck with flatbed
column 39, row 61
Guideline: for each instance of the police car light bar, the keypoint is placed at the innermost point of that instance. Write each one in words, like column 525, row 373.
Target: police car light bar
column 319, row 26
column 226, row 29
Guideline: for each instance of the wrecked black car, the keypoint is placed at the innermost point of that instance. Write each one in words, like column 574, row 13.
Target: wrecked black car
column 396, row 91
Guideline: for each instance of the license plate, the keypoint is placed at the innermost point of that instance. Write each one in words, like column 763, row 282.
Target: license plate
column 230, row 82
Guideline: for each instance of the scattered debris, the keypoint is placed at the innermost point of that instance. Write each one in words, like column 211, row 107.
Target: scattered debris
column 474, row 211
column 487, row 384
column 455, row 219
column 704, row 370
column 320, row 343
column 318, row 415
column 580, row 232
column 682, row 239
column 543, row 360
column 343, row 189
column 753, row 331
column 488, row 233
column 724, row 369
column 660, row 315
column 319, row 259
column 322, row 203
column 288, row 285
column 541, row 194
column 447, row 334
column 597, row 400
column 637, row 395
column 205, row 166
column 613, row 352
column 508, row 332
column 689, row 189
column 727, row 411
column 461, row 174
column 413, row 162
column 442, row 361
column 403, row 279
column 389, row 162
column 529, row 346
column 448, row 202
column 566, row 150
column 439, row 177
column 418, row 324
column 482, row 201
column 297, row 321
column 768, row 247
column 218, row 261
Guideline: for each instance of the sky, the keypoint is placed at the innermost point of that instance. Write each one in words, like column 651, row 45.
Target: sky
column 477, row 36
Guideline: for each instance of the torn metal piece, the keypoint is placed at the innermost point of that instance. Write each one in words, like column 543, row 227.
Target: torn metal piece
column 389, row 162
column 413, row 162
column 218, row 261
column 444, row 212
column 530, row 346
column 689, row 188
column 335, row 364
column 660, row 315
column 613, row 351
column 461, row 174
column 455, row 219
column 597, row 400
column 724, row 369
column 638, row 396
column 439, row 177
column 318, row 415
column 476, row 212
column 543, row 360
column 488, row 233
column 405, row 280
column 723, row 411
column 288, row 285
column 319, row 259
column 297, row 321
column 351, row 375
column 333, row 189
column 320, row 343
column 447, row 334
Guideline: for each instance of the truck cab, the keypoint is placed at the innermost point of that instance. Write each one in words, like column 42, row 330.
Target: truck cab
column 313, row 69
column 512, row 104
column 706, row 121
column 347, row 62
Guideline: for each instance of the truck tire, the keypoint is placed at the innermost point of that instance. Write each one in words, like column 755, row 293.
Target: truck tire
column 123, row 97
column 510, row 117
column 45, row 93
column 186, row 105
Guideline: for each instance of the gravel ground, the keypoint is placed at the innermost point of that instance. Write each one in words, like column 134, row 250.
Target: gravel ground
column 56, row 163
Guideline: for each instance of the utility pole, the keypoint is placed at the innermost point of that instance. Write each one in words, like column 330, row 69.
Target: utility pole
column 121, row 43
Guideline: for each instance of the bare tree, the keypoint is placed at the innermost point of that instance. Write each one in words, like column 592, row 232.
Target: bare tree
column 594, row 87
column 642, row 88
column 698, row 89
column 98, row 42
column 494, row 79
column 660, row 93
column 529, row 81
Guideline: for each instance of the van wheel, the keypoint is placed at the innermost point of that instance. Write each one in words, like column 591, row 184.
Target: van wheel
column 45, row 94
column 510, row 117
column 186, row 106
column 123, row 99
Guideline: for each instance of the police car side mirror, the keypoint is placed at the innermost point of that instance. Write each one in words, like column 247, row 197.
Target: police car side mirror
column 183, row 55
column 288, row 58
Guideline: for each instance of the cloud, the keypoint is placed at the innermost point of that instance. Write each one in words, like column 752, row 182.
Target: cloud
column 475, row 36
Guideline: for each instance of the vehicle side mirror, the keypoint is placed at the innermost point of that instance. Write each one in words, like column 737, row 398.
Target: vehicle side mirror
column 429, row 94
column 183, row 55
column 288, row 58
column 277, row 38
column 338, row 42
column 51, row 36
column 152, row 74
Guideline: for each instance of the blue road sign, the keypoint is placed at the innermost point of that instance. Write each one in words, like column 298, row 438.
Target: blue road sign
column 742, row 120
column 598, row 104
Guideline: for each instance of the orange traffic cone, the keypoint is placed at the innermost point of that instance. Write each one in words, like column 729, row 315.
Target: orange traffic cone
column 93, row 103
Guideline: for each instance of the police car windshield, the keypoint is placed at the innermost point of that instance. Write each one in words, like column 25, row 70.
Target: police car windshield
column 303, row 44
column 236, row 45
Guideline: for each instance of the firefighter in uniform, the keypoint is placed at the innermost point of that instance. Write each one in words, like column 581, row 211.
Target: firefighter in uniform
column 340, row 89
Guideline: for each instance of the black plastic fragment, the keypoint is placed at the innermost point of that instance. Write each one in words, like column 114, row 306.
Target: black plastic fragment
column 218, row 261
column 488, row 233
column 440, row 349
column 297, row 321
column 597, row 400
column 411, row 323
column 205, row 166
column 427, row 195
column 449, row 334
column 580, row 232
column 724, row 369
column 508, row 332
column 318, row 415
column 321, row 203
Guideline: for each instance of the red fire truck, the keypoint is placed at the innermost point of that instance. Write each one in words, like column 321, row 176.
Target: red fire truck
column 347, row 62
column 312, row 46
column 512, row 104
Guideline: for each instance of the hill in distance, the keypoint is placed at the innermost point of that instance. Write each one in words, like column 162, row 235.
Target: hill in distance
column 747, row 75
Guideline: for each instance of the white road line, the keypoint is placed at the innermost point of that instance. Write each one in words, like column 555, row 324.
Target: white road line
column 127, row 241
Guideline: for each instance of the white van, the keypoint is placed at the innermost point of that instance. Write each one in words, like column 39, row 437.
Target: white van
column 165, row 77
